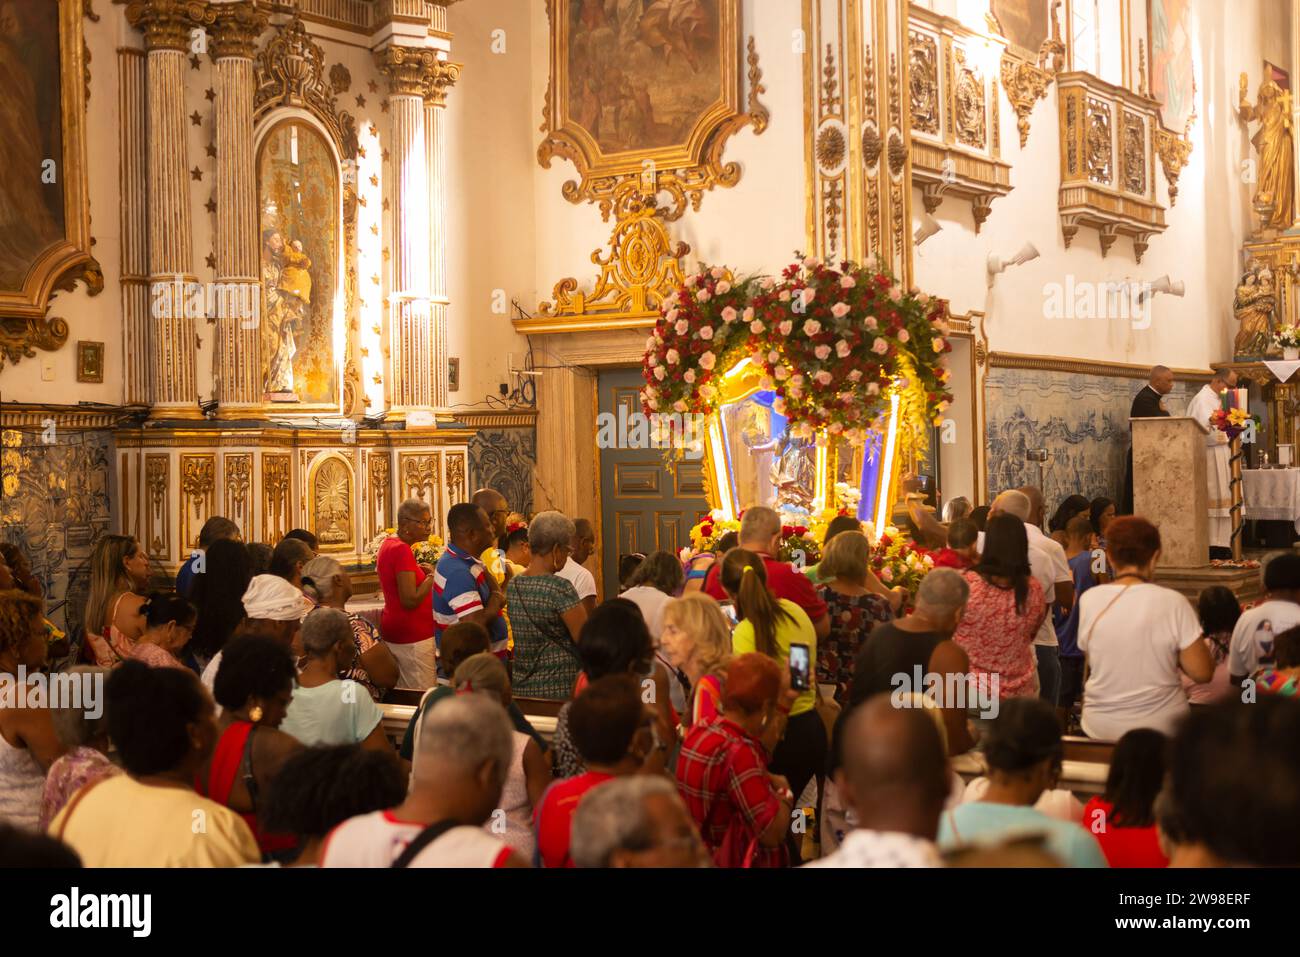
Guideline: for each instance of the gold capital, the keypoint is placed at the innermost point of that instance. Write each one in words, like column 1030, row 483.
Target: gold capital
column 169, row 24
column 237, row 27
column 416, row 71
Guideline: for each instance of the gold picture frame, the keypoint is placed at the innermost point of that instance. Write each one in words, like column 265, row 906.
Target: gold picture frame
column 692, row 162
column 24, row 325
column 90, row 361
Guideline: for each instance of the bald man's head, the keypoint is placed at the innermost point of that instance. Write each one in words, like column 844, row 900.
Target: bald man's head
column 1161, row 379
column 494, row 504
column 1035, row 496
column 895, row 771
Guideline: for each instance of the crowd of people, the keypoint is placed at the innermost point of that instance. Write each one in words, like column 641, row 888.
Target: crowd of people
column 250, row 693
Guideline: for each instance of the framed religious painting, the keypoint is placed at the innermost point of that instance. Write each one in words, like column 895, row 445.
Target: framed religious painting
column 1025, row 23
column 1173, row 80
column 644, row 94
column 44, row 207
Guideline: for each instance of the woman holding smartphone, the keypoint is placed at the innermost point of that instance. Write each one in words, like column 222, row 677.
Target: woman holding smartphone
column 773, row 627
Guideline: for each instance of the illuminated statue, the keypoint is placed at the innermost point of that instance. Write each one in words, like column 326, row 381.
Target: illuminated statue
column 1275, row 185
column 1253, row 306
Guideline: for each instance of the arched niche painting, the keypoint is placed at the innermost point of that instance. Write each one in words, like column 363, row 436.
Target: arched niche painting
column 331, row 504
column 298, row 193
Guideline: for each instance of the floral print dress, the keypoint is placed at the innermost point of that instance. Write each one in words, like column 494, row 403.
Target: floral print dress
column 852, row 619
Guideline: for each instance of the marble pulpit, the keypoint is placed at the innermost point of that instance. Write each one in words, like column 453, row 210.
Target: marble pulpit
column 1169, row 487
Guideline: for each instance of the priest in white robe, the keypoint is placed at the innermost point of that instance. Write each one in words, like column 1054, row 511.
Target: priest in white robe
column 1217, row 454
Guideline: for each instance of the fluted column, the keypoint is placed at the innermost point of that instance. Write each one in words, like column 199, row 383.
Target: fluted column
column 411, row 346
column 239, row 383
column 440, row 79
column 167, row 26
column 132, row 78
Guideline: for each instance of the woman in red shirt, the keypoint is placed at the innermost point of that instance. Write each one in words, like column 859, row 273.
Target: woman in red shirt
column 1123, row 817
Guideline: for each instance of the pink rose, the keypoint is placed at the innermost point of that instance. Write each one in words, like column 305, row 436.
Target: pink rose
column 797, row 379
column 717, row 272
column 808, row 294
column 707, row 361
column 895, row 294
column 840, row 310
column 672, row 357
column 855, row 375
column 748, row 314
column 756, row 327
column 722, row 288
column 823, row 378
column 671, row 314
column 836, row 428
column 707, row 392
column 767, row 283
column 660, row 372
column 652, row 360
column 784, row 295
column 781, row 373
column 870, row 322
column 679, row 406
column 729, row 314
column 880, row 347
column 774, row 357
column 785, row 327
column 681, row 327
column 886, row 574
column 842, row 349
column 703, row 295
column 812, row 327
column 650, row 344
column 822, row 352
column 903, row 335
column 706, row 333
column 778, row 405
column 871, row 262
column 689, row 375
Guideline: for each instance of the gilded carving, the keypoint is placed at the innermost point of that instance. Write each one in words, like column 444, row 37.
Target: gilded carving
column 831, row 204
column 408, row 68
column 1071, row 118
column 238, row 480
column 168, row 24
column 291, row 72
column 378, row 492
column 1133, row 152
column 236, row 29
column 685, row 157
column 897, row 154
column 157, row 468
column 639, row 272
column 1174, row 152
column 1026, row 82
column 1097, row 142
column 340, row 79
column 198, row 485
column 275, row 496
column 830, row 100
column 968, row 104
column 871, row 146
column 923, row 80
column 331, row 504
column 831, row 148
column 456, row 492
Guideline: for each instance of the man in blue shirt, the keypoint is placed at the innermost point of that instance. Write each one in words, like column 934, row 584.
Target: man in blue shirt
column 213, row 530
column 1081, row 559
column 463, row 590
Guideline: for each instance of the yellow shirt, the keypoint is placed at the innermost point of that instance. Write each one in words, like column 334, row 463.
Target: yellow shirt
column 789, row 632
column 123, row 823
column 495, row 561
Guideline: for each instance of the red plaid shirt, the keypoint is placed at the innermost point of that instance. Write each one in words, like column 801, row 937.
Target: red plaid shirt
column 722, row 775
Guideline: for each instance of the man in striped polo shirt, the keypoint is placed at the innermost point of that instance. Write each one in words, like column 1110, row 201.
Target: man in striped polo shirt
column 463, row 589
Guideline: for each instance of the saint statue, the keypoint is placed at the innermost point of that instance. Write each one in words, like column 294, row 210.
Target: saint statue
column 1253, row 306
column 794, row 473
column 1275, row 185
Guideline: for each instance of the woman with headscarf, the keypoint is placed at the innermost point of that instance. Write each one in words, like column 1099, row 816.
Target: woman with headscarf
column 273, row 609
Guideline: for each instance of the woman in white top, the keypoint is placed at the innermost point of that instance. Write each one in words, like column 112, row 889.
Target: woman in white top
column 651, row 587
column 1136, row 637
column 28, row 743
column 528, row 776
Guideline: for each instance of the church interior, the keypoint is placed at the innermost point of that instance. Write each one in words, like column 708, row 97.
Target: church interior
column 650, row 265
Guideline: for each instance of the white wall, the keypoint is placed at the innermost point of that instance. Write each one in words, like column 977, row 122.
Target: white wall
column 1201, row 245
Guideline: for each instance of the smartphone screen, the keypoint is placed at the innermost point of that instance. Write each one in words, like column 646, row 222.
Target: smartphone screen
column 800, row 666
column 729, row 610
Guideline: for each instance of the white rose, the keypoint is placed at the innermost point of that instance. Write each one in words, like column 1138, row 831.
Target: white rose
column 660, row 372
column 650, row 344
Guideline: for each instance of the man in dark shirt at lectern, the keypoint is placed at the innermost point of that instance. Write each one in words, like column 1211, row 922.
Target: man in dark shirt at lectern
column 1147, row 404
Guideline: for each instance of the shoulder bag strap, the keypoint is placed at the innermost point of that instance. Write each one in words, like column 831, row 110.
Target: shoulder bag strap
column 72, row 805
column 423, row 840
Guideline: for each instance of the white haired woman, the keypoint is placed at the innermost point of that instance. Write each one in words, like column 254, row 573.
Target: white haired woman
column 546, row 613
column 328, row 584
column 327, row 709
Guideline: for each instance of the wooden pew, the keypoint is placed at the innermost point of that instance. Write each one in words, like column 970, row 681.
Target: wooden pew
column 400, row 704
column 1083, row 770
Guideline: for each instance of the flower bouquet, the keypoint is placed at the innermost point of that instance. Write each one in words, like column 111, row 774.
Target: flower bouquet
column 1232, row 422
column 428, row 551
column 897, row 561
column 1287, row 338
